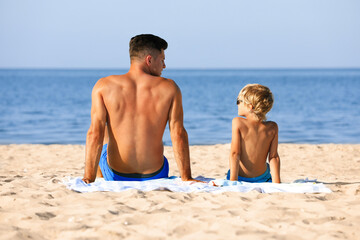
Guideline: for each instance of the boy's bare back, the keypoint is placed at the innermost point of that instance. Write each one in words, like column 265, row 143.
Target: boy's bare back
column 256, row 143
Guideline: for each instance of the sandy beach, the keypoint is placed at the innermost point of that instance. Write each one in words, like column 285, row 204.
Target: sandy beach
column 34, row 205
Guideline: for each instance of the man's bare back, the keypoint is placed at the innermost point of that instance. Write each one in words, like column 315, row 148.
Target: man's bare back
column 136, row 107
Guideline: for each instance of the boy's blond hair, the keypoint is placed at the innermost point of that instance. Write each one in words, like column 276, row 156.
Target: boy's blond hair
column 260, row 97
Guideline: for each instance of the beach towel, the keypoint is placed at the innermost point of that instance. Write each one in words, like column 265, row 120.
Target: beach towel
column 174, row 184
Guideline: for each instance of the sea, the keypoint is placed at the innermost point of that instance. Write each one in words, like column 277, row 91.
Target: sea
column 314, row 106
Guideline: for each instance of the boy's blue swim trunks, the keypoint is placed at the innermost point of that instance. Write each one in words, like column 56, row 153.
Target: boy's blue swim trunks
column 265, row 177
column 111, row 175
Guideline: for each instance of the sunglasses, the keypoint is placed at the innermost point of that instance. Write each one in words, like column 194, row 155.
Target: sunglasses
column 238, row 101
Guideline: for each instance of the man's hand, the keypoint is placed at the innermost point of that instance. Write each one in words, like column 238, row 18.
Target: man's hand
column 192, row 180
column 86, row 180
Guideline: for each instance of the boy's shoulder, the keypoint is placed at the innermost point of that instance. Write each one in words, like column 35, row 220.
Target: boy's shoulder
column 271, row 125
column 238, row 120
column 240, row 123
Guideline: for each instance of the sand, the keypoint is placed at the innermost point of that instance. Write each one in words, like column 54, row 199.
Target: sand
column 34, row 205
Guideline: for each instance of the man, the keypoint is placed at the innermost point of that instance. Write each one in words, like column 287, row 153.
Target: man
column 133, row 110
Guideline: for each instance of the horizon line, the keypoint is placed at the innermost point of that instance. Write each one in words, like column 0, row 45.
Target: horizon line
column 187, row 69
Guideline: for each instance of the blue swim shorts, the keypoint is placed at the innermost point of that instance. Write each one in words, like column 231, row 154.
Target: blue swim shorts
column 110, row 174
column 265, row 177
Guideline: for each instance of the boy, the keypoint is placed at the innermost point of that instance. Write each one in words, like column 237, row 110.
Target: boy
column 253, row 138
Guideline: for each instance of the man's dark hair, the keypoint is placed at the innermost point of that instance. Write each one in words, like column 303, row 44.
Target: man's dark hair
column 144, row 44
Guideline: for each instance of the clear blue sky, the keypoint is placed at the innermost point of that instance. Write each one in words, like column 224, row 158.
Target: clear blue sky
column 200, row 33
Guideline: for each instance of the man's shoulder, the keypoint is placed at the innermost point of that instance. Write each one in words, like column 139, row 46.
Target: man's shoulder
column 169, row 84
column 168, row 81
column 109, row 81
column 111, row 78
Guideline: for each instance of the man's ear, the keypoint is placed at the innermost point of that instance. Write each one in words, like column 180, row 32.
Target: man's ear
column 148, row 59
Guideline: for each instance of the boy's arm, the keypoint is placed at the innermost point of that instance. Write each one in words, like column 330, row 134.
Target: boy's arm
column 95, row 135
column 234, row 159
column 274, row 158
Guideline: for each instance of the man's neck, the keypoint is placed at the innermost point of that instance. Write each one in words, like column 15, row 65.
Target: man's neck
column 138, row 68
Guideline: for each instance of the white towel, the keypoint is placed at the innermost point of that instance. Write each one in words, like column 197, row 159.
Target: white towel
column 174, row 184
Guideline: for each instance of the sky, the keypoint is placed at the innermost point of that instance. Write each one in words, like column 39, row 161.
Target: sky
column 202, row 34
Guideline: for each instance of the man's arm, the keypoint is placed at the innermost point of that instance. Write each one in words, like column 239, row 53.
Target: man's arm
column 95, row 135
column 179, row 137
column 274, row 158
column 234, row 158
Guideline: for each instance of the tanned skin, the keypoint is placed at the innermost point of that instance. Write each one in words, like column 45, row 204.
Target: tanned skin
column 134, row 109
column 252, row 142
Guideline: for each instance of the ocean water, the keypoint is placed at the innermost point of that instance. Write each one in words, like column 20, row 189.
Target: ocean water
column 311, row 106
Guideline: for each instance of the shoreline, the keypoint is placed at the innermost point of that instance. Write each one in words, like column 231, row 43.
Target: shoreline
column 167, row 146
column 34, row 204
